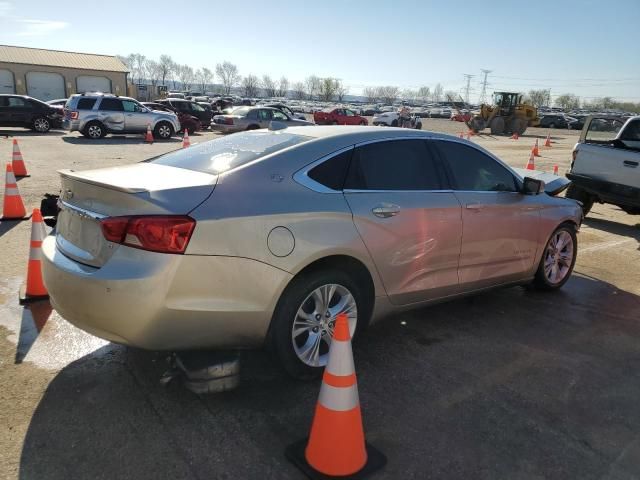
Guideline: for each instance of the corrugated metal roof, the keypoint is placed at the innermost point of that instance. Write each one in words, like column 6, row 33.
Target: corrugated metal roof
column 57, row 58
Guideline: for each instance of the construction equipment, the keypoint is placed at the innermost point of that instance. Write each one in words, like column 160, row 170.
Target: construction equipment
column 508, row 115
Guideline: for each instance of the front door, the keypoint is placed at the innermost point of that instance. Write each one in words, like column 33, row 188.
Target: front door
column 410, row 227
column 135, row 120
column 499, row 224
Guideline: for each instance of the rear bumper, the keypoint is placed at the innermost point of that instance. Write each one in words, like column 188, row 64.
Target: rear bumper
column 219, row 127
column 165, row 302
column 608, row 192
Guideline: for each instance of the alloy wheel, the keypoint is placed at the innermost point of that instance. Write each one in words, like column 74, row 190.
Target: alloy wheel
column 164, row 131
column 558, row 257
column 41, row 125
column 315, row 321
column 94, row 131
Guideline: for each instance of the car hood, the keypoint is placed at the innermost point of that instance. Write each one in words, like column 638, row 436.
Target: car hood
column 553, row 184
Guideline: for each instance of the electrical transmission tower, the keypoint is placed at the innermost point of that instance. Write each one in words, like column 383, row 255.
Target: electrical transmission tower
column 483, row 94
column 467, row 87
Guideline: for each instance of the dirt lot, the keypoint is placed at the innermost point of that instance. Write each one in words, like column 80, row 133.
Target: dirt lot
column 512, row 384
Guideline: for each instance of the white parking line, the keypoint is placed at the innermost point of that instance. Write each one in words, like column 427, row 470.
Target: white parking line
column 605, row 245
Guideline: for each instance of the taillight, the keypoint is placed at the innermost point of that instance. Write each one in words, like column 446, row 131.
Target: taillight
column 74, row 115
column 228, row 120
column 156, row 233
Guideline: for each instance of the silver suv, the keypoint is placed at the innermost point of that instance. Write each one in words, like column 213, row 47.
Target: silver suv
column 96, row 115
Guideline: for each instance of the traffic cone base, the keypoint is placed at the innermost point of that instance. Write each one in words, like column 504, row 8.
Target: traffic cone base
column 295, row 453
column 24, row 299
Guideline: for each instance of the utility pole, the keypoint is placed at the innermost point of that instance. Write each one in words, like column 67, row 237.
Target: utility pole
column 467, row 87
column 483, row 94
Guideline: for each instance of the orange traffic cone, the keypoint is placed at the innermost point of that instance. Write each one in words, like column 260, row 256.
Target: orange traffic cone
column 515, row 136
column 547, row 142
column 555, row 169
column 19, row 168
column 35, row 289
column 12, row 208
column 185, row 140
column 148, row 138
column 535, row 150
column 336, row 446
column 531, row 163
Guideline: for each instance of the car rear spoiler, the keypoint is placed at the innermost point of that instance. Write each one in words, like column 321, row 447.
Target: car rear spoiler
column 553, row 184
column 67, row 173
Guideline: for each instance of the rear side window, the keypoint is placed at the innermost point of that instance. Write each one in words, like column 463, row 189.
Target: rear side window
column 226, row 153
column 473, row 170
column 393, row 165
column 332, row 172
column 111, row 104
column 86, row 103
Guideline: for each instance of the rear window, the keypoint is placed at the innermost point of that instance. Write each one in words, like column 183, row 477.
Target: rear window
column 226, row 153
column 86, row 103
column 111, row 104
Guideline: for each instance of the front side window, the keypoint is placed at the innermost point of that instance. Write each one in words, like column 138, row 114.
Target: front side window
column 196, row 108
column 276, row 115
column 17, row 102
column 631, row 131
column 474, row 170
column 264, row 115
column 393, row 165
column 349, row 113
column 130, row 106
column 111, row 105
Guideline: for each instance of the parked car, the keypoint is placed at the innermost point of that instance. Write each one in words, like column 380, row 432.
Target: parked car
column 556, row 120
column 252, row 118
column 57, row 102
column 389, row 119
column 188, row 122
column 191, row 108
column 266, row 236
column 338, row 116
column 98, row 115
column 461, row 116
column 28, row 112
column 285, row 109
column 606, row 164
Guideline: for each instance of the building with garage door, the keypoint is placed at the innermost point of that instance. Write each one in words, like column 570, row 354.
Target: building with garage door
column 52, row 74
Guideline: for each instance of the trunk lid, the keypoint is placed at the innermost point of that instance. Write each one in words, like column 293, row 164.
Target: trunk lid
column 139, row 189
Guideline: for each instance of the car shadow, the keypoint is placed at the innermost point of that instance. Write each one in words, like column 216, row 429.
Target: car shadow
column 549, row 378
column 34, row 319
column 114, row 140
column 6, row 225
column 29, row 133
column 617, row 228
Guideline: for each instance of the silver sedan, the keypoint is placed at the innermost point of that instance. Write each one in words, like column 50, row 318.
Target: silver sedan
column 265, row 236
column 253, row 118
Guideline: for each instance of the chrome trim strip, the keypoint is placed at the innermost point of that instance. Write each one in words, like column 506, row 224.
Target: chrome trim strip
column 80, row 211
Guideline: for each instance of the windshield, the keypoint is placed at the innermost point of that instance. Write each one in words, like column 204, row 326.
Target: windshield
column 222, row 154
column 240, row 111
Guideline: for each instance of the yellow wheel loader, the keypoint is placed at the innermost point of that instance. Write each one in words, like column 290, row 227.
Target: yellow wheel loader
column 507, row 115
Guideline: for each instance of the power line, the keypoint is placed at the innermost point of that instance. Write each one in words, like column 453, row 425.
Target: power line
column 484, row 86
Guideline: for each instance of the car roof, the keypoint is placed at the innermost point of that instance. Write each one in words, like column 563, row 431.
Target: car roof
column 359, row 133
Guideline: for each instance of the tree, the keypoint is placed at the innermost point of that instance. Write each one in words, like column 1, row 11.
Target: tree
column 204, row 77
column 269, row 86
column 567, row 101
column 452, row 96
column 540, row 98
column 283, row 87
column 228, row 74
column 185, row 75
column 298, row 91
column 371, row 93
column 250, row 84
column 388, row 94
column 153, row 71
column 328, row 89
column 312, row 86
column 423, row 94
column 436, row 95
column 409, row 95
column 341, row 90
column 136, row 64
column 166, row 65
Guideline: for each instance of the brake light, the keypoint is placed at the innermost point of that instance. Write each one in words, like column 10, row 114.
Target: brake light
column 74, row 115
column 156, row 233
column 228, row 120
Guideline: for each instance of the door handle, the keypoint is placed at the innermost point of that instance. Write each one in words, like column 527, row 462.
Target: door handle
column 629, row 163
column 475, row 206
column 386, row 210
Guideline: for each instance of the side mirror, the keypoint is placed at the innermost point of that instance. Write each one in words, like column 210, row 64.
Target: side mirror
column 531, row 186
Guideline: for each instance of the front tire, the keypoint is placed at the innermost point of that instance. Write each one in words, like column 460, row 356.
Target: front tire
column 163, row 131
column 558, row 259
column 94, row 130
column 303, row 321
column 585, row 198
column 41, row 125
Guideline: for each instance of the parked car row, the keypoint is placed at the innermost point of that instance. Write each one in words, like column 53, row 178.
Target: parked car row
column 28, row 112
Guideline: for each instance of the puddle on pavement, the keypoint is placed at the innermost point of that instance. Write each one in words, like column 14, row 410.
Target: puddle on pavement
column 39, row 334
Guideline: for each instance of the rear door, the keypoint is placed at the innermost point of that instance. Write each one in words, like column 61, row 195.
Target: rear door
column 410, row 226
column 111, row 113
column 499, row 225
column 264, row 117
column 18, row 111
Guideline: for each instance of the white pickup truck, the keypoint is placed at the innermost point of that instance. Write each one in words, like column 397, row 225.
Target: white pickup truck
column 606, row 164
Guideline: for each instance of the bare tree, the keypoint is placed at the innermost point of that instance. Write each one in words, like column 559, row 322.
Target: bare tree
column 250, row 84
column 166, row 65
column 283, row 87
column 269, row 86
column 328, row 89
column 388, row 94
column 371, row 93
column 436, row 95
column 136, row 63
column 312, row 86
column 298, row 91
column 567, row 101
column 228, row 74
column 204, row 77
column 185, row 75
column 153, row 71
column 539, row 98
column 409, row 95
column 341, row 90
column 423, row 94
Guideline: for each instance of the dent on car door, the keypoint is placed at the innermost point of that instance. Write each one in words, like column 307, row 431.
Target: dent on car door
column 411, row 228
column 500, row 225
column 111, row 114
column 134, row 119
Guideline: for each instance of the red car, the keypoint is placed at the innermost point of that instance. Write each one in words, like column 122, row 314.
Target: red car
column 338, row 116
column 461, row 117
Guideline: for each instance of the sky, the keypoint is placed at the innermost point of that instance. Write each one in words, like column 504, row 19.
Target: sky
column 585, row 47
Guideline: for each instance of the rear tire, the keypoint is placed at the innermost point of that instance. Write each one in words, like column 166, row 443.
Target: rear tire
column 41, row 125
column 297, row 299
column 576, row 193
column 94, row 130
column 394, row 123
column 558, row 258
column 253, row 127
